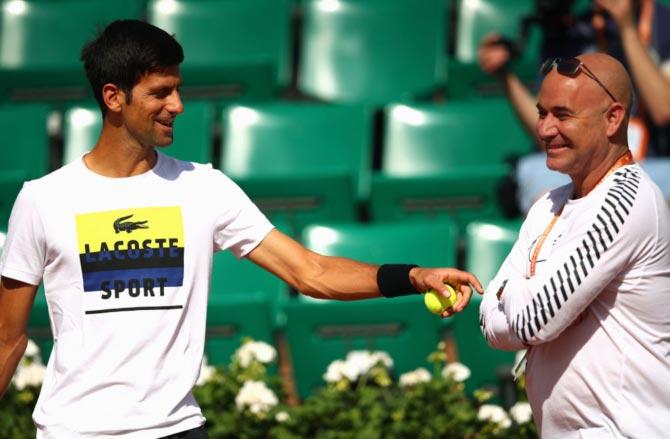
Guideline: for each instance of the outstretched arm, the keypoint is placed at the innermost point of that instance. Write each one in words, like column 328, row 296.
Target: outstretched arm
column 651, row 83
column 16, row 301
column 493, row 59
column 330, row 277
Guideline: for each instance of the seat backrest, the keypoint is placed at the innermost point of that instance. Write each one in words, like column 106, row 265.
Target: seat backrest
column 41, row 41
column 475, row 19
column 282, row 139
column 193, row 133
column 24, row 144
column 232, row 278
column 319, row 333
column 487, row 245
column 223, row 36
column 24, row 150
column 373, row 50
column 231, row 320
column 384, row 242
column 82, row 125
column 426, row 139
column 38, row 33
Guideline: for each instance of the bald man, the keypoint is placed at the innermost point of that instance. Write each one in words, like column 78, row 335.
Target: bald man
column 586, row 288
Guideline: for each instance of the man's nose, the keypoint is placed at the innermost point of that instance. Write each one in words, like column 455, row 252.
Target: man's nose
column 175, row 105
column 546, row 127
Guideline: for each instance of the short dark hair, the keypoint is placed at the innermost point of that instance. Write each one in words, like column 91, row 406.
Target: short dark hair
column 125, row 51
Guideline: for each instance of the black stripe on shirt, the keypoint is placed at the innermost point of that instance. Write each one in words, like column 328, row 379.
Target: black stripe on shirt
column 606, row 227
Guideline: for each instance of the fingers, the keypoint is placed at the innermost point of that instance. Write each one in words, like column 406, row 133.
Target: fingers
column 464, row 278
column 464, row 293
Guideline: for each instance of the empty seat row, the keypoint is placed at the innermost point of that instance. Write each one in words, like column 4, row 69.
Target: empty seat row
column 346, row 50
column 305, row 162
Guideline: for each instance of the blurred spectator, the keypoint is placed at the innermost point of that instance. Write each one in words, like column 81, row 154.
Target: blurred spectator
column 635, row 32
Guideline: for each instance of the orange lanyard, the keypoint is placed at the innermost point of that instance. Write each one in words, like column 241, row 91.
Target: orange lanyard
column 624, row 160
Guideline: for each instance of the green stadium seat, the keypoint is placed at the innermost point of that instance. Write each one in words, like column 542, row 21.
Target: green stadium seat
column 40, row 44
column 379, row 243
column 193, row 138
column 233, row 279
column 487, row 246
column 241, row 289
column 443, row 160
column 299, row 162
column 233, row 319
column 373, row 51
column 24, row 150
column 320, row 331
column 82, row 125
column 476, row 19
column 233, row 48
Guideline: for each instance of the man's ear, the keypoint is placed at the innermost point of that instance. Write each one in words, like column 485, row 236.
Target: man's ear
column 616, row 114
column 113, row 97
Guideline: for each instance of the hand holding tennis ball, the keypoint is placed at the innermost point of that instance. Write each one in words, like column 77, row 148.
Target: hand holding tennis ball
column 437, row 303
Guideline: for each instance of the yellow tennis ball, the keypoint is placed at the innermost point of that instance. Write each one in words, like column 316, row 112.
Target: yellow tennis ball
column 437, row 303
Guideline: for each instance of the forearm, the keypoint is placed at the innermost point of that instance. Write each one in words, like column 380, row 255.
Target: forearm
column 11, row 351
column 494, row 326
column 339, row 279
column 652, row 85
column 522, row 101
column 16, row 299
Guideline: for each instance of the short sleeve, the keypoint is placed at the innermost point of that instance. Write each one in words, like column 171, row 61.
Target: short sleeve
column 24, row 253
column 240, row 226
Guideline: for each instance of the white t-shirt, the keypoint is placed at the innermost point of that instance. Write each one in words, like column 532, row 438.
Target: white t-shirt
column 126, row 264
column 596, row 315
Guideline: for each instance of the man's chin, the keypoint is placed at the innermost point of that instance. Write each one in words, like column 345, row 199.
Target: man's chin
column 557, row 165
column 163, row 143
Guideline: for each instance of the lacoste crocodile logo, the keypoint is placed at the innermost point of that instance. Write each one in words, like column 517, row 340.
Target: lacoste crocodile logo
column 129, row 226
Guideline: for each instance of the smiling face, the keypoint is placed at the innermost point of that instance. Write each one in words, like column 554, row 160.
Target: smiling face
column 149, row 115
column 572, row 124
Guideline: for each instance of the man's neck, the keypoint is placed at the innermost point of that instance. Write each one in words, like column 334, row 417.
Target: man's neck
column 118, row 158
column 613, row 160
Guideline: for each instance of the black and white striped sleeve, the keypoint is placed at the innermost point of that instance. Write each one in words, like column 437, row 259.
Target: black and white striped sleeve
column 591, row 255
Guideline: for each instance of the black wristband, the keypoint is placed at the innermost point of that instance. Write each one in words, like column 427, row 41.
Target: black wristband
column 393, row 280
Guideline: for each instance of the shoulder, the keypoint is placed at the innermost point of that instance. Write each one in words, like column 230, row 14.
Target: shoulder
column 633, row 199
column 192, row 172
column 53, row 182
column 551, row 202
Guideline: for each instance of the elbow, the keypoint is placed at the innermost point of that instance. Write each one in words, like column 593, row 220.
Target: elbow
column 310, row 286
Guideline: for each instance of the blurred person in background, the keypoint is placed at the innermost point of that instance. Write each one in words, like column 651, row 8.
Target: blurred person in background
column 586, row 287
column 637, row 33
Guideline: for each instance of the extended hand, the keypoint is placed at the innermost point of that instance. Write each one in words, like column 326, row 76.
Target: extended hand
column 425, row 279
column 492, row 56
column 621, row 11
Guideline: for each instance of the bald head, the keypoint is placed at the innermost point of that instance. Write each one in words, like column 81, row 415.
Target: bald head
column 583, row 111
column 613, row 75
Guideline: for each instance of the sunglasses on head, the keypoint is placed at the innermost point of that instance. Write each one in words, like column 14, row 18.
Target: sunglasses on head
column 571, row 67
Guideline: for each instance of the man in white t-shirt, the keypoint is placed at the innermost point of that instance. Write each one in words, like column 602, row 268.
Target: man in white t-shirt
column 586, row 288
column 123, row 241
